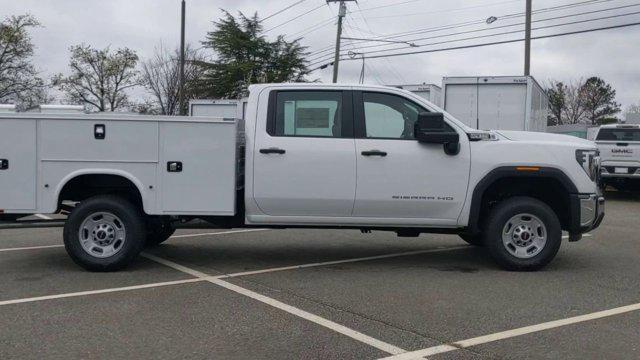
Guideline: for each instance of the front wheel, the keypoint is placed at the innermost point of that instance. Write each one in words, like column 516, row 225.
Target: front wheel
column 104, row 233
column 523, row 234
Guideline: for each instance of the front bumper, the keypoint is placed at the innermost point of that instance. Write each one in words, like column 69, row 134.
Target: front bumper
column 586, row 215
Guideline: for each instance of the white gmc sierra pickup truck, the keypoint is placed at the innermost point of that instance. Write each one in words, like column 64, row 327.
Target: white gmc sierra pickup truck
column 306, row 155
column 619, row 147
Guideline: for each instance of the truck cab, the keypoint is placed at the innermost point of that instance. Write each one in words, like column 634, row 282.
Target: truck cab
column 305, row 155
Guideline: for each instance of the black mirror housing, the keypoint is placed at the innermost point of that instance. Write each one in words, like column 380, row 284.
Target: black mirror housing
column 431, row 129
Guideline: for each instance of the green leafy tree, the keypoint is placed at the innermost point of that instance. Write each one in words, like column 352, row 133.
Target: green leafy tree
column 99, row 78
column 243, row 56
column 19, row 80
column 599, row 101
column 557, row 102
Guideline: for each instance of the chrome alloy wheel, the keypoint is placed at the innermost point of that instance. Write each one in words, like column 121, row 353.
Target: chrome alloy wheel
column 102, row 234
column 524, row 236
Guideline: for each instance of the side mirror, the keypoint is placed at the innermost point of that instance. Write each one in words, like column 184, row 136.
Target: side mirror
column 431, row 129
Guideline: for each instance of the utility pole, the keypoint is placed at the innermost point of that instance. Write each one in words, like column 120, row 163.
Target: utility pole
column 527, row 41
column 181, row 111
column 342, row 12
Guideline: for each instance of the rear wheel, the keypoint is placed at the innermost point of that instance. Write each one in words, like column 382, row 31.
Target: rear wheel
column 523, row 234
column 104, row 233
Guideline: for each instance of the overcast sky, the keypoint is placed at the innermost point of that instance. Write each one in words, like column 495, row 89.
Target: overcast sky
column 144, row 24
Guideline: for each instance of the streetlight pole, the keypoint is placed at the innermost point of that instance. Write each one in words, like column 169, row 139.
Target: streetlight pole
column 527, row 41
column 182, row 60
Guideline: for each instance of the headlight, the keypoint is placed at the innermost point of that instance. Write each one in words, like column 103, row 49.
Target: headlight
column 589, row 160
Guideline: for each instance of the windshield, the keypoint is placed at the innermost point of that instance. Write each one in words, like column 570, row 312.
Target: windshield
column 618, row 134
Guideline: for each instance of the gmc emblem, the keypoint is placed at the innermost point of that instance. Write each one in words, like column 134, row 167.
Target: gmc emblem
column 622, row 151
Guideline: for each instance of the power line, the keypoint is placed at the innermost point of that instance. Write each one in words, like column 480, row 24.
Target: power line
column 412, row 40
column 515, row 31
column 494, row 35
column 506, row 16
column 390, row 68
column 446, row 10
column 503, row 42
column 294, row 18
column 473, row 22
column 388, row 63
column 482, row 30
column 283, row 10
column 312, row 28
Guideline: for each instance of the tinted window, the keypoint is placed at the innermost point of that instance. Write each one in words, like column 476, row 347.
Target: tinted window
column 308, row 113
column 390, row 116
column 610, row 134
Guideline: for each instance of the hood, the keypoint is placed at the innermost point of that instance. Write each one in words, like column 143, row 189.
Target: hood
column 540, row 137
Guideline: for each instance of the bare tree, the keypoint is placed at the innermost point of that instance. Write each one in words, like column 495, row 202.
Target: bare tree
column 160, row 76
column 19, row 81
column 99, row 78
column 574, row 109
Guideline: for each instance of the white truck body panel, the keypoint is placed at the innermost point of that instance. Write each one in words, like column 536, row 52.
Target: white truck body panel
column 429, row 92
column 48, row 150
column 218, row 108
column 18, row 182
column 497, row 103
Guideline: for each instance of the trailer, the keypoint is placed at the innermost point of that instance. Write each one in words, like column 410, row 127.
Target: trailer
column 430, row 92
column 497, row 102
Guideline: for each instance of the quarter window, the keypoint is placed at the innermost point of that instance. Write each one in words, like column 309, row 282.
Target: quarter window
column 309, row 113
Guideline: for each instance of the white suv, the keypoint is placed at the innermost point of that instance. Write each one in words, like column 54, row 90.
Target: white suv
column 619, row 147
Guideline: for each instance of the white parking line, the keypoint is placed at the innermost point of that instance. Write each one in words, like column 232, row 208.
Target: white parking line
column 583, row 235
column 356, row 335
column 31, row 248
column 378, row 344
column 173, row 237
column 345, row 261
column 217, row 233
column 101, row 291
column 420, row 354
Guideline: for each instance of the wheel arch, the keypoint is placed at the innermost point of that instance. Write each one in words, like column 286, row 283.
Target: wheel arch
column 106, row 181
column 547, row 179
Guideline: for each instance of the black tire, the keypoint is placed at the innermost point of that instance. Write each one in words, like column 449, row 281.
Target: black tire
column 503, row 213
column 474, row 240
column 158, row 231
column 128, row 219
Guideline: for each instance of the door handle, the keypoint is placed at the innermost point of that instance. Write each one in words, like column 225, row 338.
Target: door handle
column 272, row 151
column 4, row 164
column 374, row 153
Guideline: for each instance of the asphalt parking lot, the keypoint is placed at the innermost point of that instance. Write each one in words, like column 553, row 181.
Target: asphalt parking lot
column 324, row 294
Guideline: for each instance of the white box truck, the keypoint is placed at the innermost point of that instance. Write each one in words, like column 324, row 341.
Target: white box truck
column 497, row 102
column 430, row 92
column 317, row 156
